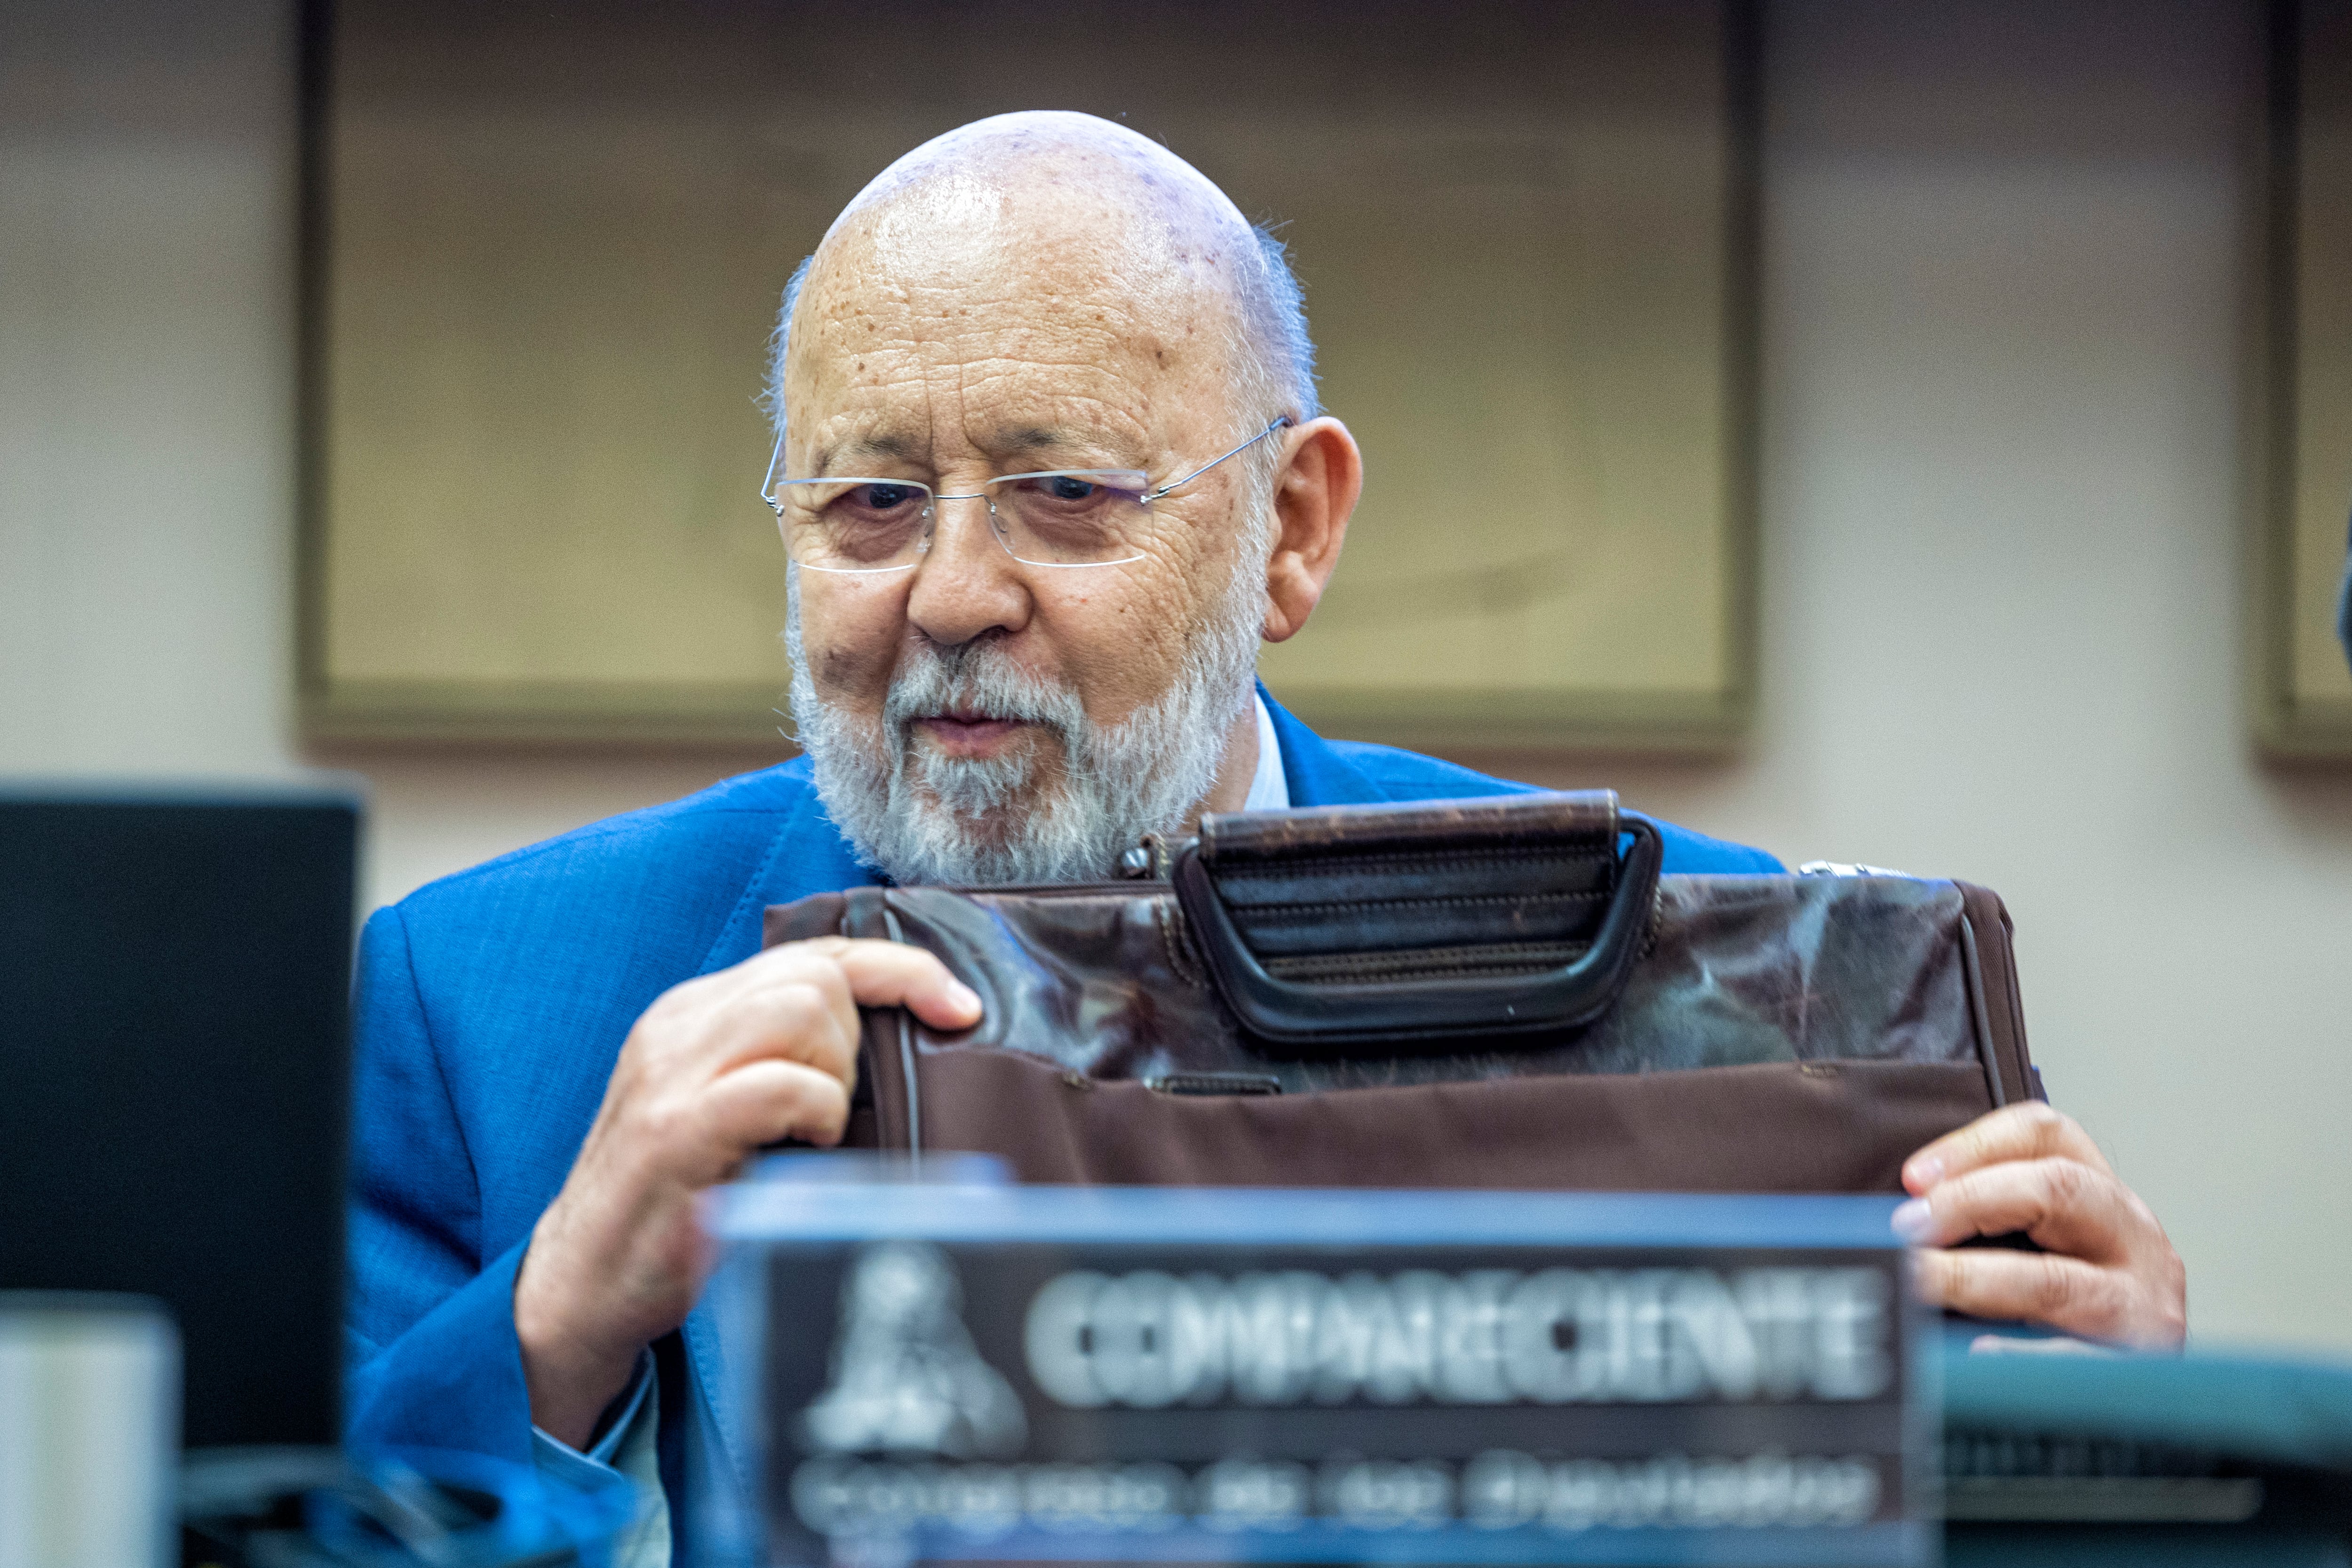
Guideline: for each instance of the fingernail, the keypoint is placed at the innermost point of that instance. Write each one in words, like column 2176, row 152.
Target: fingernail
column 1926, row 1171
column 965, row 997
column 1913, row 1220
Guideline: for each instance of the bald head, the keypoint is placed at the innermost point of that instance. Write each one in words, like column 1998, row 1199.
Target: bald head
column 1079, row 217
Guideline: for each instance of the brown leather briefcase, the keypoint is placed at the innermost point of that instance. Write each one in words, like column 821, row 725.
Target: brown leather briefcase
column 1491, row 993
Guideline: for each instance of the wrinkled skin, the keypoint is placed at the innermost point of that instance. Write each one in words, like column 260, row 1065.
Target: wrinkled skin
column 1048, row 290
column 2107, row 1273
column 1071, row 310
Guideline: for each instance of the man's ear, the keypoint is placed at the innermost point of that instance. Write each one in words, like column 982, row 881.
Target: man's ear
column 1313, row 498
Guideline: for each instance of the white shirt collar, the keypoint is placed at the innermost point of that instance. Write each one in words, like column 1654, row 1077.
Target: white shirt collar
column 1269, row 790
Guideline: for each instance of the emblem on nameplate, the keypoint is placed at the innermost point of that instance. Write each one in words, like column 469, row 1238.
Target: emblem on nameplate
column 906, row 1376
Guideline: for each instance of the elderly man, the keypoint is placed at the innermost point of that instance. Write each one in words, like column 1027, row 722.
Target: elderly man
column 1050, row 465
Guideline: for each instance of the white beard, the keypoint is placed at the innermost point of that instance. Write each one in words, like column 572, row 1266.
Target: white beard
column 922, row 817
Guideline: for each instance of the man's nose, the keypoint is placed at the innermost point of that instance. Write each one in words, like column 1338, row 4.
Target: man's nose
column 966, row 584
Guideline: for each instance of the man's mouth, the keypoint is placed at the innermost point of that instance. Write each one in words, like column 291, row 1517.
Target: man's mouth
column 968, row 733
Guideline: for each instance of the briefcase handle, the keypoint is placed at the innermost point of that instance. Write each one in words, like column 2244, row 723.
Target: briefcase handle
column 1311, row 1016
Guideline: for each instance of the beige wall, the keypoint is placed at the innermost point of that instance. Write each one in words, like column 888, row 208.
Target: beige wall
column 2003, row 295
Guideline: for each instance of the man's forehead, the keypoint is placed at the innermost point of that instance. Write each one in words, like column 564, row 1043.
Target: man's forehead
column 1072, row 305
column 1051, row 429
column 1036, row 285
column 1022, row 306
column 1016, row 358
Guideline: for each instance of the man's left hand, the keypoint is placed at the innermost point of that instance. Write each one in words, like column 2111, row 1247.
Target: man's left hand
column 2107, row 1272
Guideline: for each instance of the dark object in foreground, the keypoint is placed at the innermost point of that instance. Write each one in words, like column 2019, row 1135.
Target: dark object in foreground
column 2146, row 1460
column 175, row 1044
column 317, row 1508
column 1492, row 992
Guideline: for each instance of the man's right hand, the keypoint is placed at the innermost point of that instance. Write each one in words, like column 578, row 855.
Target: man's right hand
column 715, row 1069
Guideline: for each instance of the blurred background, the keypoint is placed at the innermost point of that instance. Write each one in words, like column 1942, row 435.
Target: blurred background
column 2008, row 445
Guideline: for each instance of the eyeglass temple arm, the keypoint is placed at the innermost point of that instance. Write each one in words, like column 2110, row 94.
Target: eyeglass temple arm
column 768, row 485
column 1279, row 422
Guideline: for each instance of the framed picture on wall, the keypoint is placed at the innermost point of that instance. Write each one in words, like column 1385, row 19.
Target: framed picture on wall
column 545, row 248
column 2302, row 683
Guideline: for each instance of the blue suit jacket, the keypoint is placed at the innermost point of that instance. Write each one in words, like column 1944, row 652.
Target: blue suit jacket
column 2343, row 604
column 490, row 1007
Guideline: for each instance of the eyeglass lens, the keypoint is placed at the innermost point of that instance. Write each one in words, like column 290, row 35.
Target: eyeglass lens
column 1072, row 518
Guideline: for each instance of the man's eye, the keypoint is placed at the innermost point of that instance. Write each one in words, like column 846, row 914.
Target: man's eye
column 883, row 498
column 1063, row 487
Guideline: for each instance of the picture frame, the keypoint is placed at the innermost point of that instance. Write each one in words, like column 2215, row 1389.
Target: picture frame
column 2300, row 697
column 539, row 269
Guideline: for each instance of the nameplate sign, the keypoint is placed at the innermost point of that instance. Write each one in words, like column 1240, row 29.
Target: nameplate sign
column 1035, row 1374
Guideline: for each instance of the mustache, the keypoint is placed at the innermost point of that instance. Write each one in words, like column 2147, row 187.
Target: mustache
column 976, row 678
